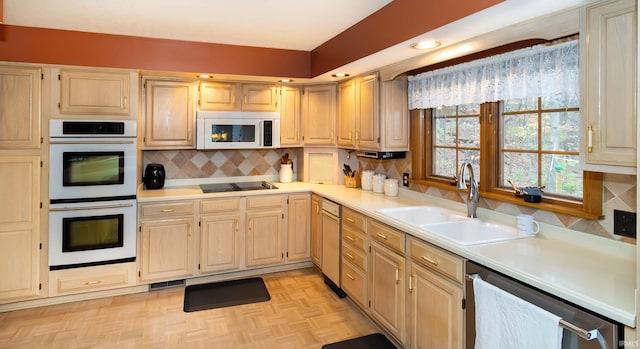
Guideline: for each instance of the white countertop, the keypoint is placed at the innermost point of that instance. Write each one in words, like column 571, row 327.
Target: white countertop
column 592, row 272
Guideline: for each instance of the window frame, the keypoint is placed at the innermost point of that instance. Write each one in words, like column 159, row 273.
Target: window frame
column 421, row 145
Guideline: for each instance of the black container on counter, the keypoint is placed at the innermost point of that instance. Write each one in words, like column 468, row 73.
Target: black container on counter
column 154, row 176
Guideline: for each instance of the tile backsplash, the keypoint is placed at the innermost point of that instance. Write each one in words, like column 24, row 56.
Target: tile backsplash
column 183, row 164
column 619, row 193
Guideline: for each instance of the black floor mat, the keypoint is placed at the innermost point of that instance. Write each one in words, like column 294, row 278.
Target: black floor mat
column 225, row 294
column 372, row 341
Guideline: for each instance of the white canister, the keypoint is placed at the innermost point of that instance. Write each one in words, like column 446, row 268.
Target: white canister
column 286, row 173
column 367, row 179
column 378, row 182
column 391, row 187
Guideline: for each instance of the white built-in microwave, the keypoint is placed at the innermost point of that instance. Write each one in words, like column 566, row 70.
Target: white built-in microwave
column 237, row 130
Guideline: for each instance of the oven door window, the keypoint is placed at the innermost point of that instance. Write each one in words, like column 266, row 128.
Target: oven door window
column 93, row 168
column 233, row 133
column 92, row 233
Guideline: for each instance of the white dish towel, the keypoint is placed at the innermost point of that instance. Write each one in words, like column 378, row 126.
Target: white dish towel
column 504, row 321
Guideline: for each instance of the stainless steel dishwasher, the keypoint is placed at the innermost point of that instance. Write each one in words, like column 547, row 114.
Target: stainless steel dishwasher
column 331, row 213
column 579, row 325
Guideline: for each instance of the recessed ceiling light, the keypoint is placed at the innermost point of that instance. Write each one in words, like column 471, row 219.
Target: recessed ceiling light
column 340, row 75
column 425, row 45
column 205, row 76
column 286, row 80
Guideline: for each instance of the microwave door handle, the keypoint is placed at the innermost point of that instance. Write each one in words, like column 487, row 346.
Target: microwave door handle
column 260, row 130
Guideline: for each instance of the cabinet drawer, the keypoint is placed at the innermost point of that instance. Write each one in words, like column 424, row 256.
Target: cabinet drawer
column 269, row 201
column 181, row 208
column 357, row 258
column 220, row 205
column 354, row 219
column 436, row 259
column 354, row 283
column 389, row 237
column 354, row 238
column 90, row 279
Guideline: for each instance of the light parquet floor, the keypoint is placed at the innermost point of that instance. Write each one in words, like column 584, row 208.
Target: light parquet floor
column 302, row 313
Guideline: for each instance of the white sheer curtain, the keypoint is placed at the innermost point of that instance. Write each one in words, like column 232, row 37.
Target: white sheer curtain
column 538, row 71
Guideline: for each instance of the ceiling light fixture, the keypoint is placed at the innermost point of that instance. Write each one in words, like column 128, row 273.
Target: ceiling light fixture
column 205, row 76
column 340, row 75
column 425, row 45
column 286, row 80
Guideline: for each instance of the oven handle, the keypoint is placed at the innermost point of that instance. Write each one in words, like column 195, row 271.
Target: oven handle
column 89, row 207
column 91, row 142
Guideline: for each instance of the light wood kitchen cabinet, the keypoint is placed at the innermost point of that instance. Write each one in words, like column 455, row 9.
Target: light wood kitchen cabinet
column 387, row 289
column 90, row 279
column 316, row 230
column 346, row 119
column 221, row 229
column 167, row 241
column 264, row 222
column 20, row 91
column 290, row 117
column 608, row 61
column 435, row 306
column 232, row 96
column 100, row 94
column 19, row 228
column 354, row 262
column 358, row 113
column 169, row 114
column 299, row 227
column 394, row 115
column 319, row 115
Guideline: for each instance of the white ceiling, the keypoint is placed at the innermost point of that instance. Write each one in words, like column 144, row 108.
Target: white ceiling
column 284, row 24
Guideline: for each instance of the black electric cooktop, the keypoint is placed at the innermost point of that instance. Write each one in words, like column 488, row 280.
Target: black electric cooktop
column 241, row 186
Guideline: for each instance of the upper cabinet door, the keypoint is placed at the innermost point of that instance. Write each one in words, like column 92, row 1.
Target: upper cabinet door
column 394, row 115
column 290, row 117
column 347, row 114
column 105, row 94
column 232, row 96
column 319, row 115
column 259, row 97
column 367, row 132
column 20, row 107
column 608, row 64
column 218, row 96
column 169, row 114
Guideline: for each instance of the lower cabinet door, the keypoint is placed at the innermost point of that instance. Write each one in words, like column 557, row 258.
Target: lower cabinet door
column 264, row 238
column 388, row 290
column 167, row 249
column 219, row 243
column 436, row 310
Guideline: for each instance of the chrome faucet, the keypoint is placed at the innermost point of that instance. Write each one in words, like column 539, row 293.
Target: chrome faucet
column 474, row 195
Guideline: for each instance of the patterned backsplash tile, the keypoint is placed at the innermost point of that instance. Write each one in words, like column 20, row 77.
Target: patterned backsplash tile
column 619, row 193
column 183, row 164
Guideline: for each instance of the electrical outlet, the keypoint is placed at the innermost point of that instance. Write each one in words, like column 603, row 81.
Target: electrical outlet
column 624, row 223
column 405, row 179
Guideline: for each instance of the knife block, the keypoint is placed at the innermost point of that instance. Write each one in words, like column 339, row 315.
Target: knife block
column 352, row 182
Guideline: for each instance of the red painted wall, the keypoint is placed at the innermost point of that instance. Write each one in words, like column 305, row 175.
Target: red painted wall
column 50, row 46
column 399, row 21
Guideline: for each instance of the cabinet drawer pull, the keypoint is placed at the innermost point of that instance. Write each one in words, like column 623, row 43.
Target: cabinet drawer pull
column 382, row 236
column 89, row 283
column 350, row 238
column 589, row 138
column 167, row 210
column 410, row 283
column 349, row 219
column 350, row 256
column 397, row 275
column 350, row 276
column 430, row 260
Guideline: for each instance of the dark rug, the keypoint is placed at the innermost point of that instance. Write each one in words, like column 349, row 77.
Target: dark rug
column 372, row 341
column 225, row 294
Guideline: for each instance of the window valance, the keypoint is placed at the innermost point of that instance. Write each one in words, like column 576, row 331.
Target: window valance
column 538, row 71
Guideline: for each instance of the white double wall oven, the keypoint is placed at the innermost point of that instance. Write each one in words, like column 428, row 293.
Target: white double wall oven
column 92, row 211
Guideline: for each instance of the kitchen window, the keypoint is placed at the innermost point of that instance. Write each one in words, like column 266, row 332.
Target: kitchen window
column 520, row 138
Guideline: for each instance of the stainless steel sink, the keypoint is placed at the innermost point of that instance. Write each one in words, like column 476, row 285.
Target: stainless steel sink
column 473, row 232
column 419, row 215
